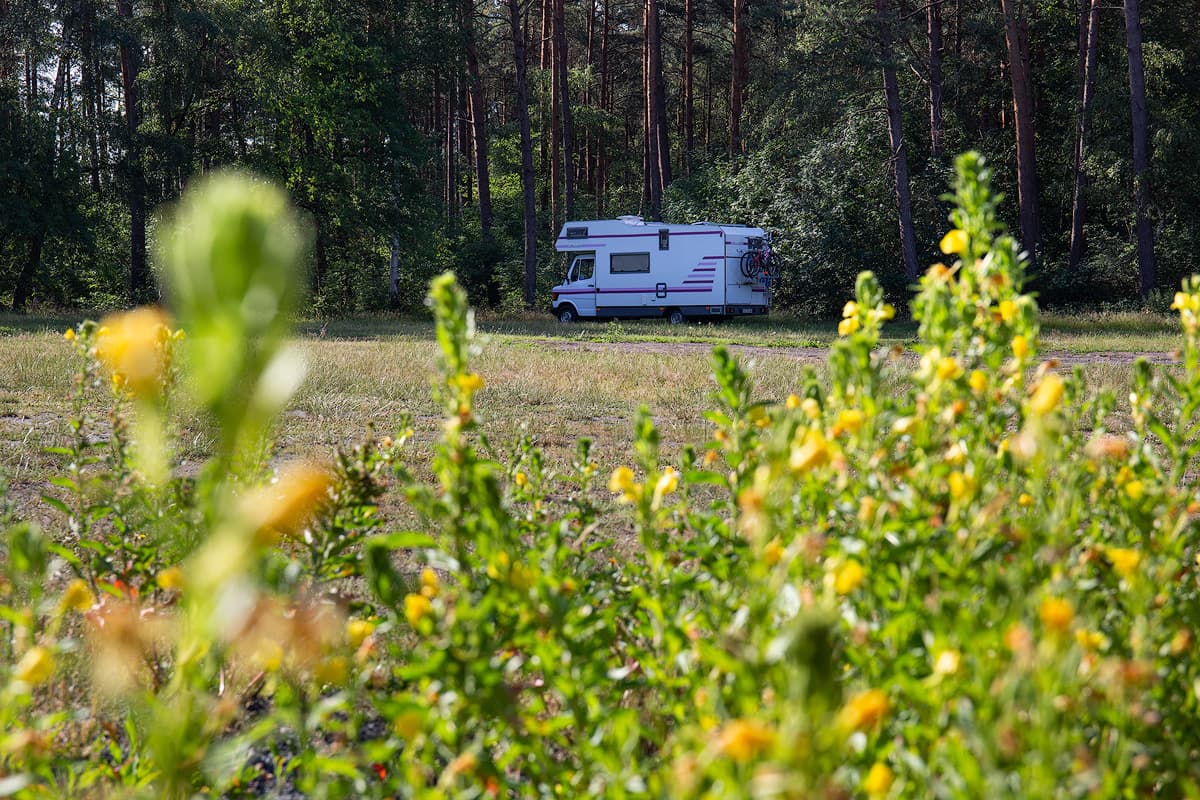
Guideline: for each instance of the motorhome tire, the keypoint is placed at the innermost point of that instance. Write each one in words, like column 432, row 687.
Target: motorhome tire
column 676, row 317
column 567, row 314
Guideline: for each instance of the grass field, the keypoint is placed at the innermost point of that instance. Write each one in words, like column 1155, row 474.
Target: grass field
column 556, row 382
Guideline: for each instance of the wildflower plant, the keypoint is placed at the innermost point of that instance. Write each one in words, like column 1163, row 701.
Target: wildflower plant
column 973, row 585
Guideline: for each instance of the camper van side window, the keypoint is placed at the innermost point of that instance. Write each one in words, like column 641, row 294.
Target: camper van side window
column 625, row 263
column 577, row 233
column 664, row 239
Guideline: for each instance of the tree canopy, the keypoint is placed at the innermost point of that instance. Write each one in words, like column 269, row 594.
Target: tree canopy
column 397, row 127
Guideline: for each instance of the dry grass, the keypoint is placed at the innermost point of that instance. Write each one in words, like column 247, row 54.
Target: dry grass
column 536, row 383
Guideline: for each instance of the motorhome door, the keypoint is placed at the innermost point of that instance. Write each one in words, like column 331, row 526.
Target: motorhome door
column 581, row 283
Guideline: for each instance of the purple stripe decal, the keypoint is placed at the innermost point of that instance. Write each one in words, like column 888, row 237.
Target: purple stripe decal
column 637, row 235
column 648, row 291
column 636, row 291
column 704, row 269
column 706, row 282
column 712, row 258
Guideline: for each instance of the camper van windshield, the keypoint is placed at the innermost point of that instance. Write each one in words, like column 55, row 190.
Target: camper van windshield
column 580, row 265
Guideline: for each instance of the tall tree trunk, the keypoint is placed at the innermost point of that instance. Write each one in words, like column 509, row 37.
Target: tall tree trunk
column 650, row 183
column 934, row 28
column 602, row 154
column 478, row 119
column 394, row 272
column 1016, row 34
column 88, row 88
column 741, row 75
column 891, row 91
column 547, row 40
column 1141, row 154
column 1090, row 21
column 130, row 54
column 587, row 162
column 659, row 102
column 555, row 136
column 568, row 134
column 708, row 104
column 8, row 51
column 33, row 261
column 320, row 256
column 450, row 185
column 689, row 81
column 527, row 176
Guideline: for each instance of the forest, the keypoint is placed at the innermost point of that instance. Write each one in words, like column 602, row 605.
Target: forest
column 454, row 134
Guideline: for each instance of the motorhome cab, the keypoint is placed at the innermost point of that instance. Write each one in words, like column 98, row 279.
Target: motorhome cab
column 631, row 268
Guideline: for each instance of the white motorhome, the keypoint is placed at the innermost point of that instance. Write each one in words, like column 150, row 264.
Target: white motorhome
column 627, row 267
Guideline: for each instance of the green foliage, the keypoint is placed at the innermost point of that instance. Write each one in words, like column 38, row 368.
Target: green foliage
column 971, row 586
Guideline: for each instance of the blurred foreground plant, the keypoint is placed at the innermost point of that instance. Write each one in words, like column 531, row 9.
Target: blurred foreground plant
column 968, row 587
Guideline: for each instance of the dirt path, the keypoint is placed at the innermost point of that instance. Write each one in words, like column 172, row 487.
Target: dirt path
column 817, row 355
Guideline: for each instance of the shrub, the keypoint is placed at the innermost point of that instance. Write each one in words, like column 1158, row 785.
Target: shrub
column 972, row 587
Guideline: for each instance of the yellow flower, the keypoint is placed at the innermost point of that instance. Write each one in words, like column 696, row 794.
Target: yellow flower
column 792, row 402
column 773, row 553
column 1135, row 490
column 430, row 583
column 284, row 507
column 1020, row 347
column 744, row 739
column 520, row 479
column 521, row 577
column 357, row 630
column 867, row 507
column 904, row 425
column 171, row 578
column 1025, row 500
column 77, row 596
column 621, row 482
column 332, row 670
column 954, row 242
column 810, row 407
column 1008, row 310
column 1091, row 640
column 468, row 383
column 35, row 667
column 864, row 710
column 848, row 576
column 888, row 311
column 850, row 420
column 978, row 381
column 848, row 326
column 850, row 309
column 1056, row 614
column 960, row 485
column 1048, row 394
column 813, row 453
column 879, row 780
column 946, row 662
column 667, row 483
column 131, row 345
column 69, row 335
column 1124, row 560
column 949, row 368
column 408, row 724
column 416, row 608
